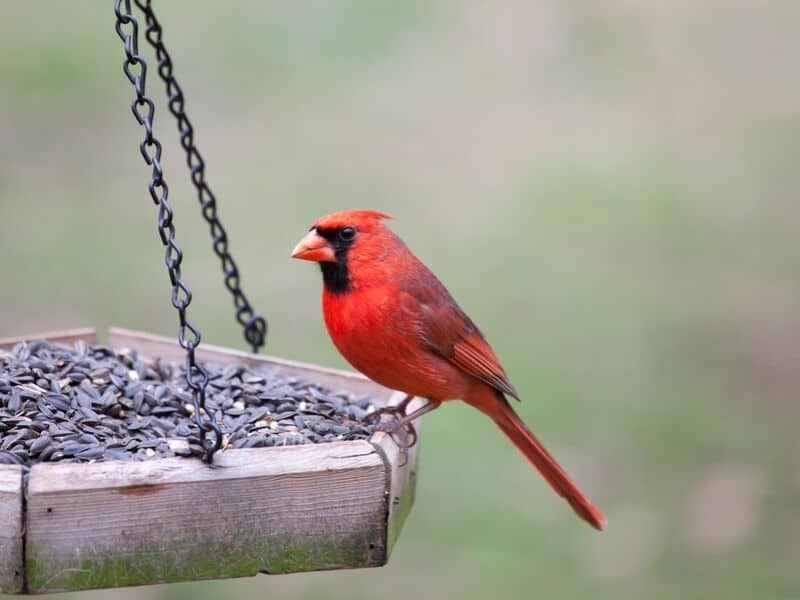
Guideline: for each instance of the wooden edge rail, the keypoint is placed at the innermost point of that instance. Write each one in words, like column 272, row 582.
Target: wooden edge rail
column 259, row 510
column 149, row 344
column 65, row 336
column 262, row 510
column 11, row 529
column 401, row 476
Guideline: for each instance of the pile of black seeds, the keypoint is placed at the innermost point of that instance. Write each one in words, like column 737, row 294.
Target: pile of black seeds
column 92, row 403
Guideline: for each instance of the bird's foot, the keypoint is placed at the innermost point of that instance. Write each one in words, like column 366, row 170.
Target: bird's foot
column 403, row 434
column 400, row 425
column 388, row 411
column 397, row 427
column 397, row 411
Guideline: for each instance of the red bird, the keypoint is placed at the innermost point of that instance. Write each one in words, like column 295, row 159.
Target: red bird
column 394, row 321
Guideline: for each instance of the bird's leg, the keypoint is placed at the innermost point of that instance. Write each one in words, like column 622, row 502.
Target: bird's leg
column 394, row 411
column 400, row 429
column 406, row 424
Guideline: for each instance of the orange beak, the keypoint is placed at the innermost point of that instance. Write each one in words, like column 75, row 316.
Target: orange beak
column 314, row 247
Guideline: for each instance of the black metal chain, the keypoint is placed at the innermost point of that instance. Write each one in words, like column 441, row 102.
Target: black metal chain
column 135, row 69
column 255, row 326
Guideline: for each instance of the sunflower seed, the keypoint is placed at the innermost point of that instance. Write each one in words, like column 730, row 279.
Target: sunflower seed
column 92, row 403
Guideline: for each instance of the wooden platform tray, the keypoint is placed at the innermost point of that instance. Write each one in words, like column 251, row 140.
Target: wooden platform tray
column 74, row 526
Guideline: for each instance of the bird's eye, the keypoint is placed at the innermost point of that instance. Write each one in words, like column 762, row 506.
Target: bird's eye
column 347, row 234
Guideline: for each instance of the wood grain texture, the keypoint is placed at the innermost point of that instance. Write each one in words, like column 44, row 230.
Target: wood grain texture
column 402, row 480
column 67, row 336
column 273, row 510
column 11, row 531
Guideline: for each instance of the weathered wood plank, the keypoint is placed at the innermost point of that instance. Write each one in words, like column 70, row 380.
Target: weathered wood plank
column 11, row 529
column 155, row 345
column 274, row 510
column 402, row 474
column 402, row 479
column 66, row 336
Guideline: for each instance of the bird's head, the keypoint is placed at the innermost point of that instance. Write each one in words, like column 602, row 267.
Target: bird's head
column 343, row 241
column 335, row 235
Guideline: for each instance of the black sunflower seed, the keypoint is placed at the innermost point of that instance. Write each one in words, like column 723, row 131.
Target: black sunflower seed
column 92, row 403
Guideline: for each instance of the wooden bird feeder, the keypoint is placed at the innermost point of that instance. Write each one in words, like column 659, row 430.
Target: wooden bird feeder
column 75, row 526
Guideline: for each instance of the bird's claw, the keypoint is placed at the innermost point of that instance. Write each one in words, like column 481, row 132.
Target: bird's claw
column 383, row 410
column 396, row 411
column 403, row 434
column 399, row 426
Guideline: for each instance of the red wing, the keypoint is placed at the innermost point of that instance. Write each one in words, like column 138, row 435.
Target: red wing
column 449, row 332
column 474, row 355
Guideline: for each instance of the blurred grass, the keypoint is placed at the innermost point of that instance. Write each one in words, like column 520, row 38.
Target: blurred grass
column 610, row 190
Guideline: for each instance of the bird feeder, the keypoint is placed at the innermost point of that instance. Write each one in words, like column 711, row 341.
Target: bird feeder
column 237, row 512
column 75, row 526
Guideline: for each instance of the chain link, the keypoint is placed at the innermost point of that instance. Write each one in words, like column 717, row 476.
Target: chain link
column 255, row 326
column 135, row 69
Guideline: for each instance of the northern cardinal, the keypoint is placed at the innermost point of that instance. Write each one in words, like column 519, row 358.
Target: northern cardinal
column 394, row 321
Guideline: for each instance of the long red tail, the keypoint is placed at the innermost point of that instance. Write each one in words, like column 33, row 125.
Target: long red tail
column 539, row 457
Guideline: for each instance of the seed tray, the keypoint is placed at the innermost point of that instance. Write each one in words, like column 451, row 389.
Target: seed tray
column 289, row 493
column 85, row 403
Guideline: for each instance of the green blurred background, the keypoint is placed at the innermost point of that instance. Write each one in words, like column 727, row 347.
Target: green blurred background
column 608, row 188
